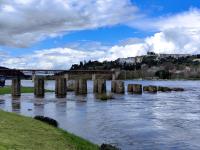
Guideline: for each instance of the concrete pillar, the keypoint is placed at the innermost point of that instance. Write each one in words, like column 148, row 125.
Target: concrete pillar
column 93, row 77
column 82, row 86
column 60, row 87
column 130, row 88
column 16, row 87
column 101, row 86
column 150, row 89
column 120, row 87
column 113, row 77
column 66, row 76
column 76, row 86
column 95, row 86
column 70, row 85
column 137, row 88
column 113, row 86
column 33, row 75
column 39, row 87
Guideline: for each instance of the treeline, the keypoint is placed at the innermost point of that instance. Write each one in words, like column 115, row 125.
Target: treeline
column 105, row 65
column 147, row 61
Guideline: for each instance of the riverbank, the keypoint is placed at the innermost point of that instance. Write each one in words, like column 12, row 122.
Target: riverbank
column 18, row 132
column 7, row 90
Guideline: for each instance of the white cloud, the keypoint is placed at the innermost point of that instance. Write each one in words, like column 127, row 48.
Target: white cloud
column 174, row 34
column 58, row 58
column 189, row 20
column 23, row 22
column 178, row 33
column 63, row 58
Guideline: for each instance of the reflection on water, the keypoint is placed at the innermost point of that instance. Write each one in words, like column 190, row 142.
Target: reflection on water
column 148, row 121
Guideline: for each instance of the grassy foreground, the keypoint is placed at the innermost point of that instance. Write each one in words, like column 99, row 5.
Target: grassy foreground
column 24, row 133
column 7, row 90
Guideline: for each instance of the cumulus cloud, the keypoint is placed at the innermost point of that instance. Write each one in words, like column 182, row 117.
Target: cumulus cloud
column 57, row 58
column 63, row 58
column 169, row 41
column 188, row 19
column 23, row 22
column 178, row 33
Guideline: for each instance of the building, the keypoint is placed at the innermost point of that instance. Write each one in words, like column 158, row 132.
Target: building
column 129, row 60
column 176, row 56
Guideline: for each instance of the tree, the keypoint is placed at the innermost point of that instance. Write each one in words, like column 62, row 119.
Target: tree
column 163, row 74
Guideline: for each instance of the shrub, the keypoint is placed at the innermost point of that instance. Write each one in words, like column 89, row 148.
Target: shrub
column 47, row 120
column 108, row 147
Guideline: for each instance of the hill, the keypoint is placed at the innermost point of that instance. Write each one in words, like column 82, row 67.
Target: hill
column 164, row 66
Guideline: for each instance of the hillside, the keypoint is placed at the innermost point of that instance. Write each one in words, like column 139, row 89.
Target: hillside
column 164, row 66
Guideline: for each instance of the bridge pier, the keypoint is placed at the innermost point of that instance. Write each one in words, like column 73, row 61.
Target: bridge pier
column 117, row 86
column 113, row 77
column 33, row 75
column 93, row 77
column 39, row 87
column 95, row 86
column 67, row 76
column 60, row 87
column 80, row 86
column 99, row 86
column 120, row 87
column 113, row 86
column 135, row 88
column 16, row 87
column 76, row 86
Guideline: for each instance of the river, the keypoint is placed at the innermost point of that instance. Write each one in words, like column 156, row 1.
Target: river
column 148, row 121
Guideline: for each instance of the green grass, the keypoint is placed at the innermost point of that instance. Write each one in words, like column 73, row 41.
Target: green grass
column 24, row 133
column 7, row 90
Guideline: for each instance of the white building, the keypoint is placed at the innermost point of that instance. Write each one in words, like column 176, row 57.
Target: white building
column 129, row 60
column 173, row 55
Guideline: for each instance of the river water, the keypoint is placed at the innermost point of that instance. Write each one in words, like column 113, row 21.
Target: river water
column 149, row 121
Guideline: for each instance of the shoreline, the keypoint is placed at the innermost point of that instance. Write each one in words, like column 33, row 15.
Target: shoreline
column 20, row 132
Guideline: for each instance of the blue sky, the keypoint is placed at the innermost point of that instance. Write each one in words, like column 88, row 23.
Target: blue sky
column 114, row 34
column 143, row 24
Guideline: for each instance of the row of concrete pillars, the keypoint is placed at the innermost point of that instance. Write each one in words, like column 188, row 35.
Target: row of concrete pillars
column 80, row 87
column 39, row 90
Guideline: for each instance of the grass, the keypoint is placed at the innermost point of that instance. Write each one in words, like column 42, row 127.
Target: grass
column 24, row 133
column 7, row 90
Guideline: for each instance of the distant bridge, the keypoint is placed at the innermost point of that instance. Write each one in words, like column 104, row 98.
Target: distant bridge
column 22, row 72
column 31, row 72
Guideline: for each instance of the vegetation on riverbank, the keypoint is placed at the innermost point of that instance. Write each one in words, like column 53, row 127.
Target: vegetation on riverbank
column 18, row 132
column 7, row 90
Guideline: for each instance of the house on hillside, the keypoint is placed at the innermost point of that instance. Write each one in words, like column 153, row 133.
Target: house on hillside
column 129, row 60
column 176, row 56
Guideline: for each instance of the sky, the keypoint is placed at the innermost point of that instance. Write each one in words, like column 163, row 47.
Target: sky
column 43, row 34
